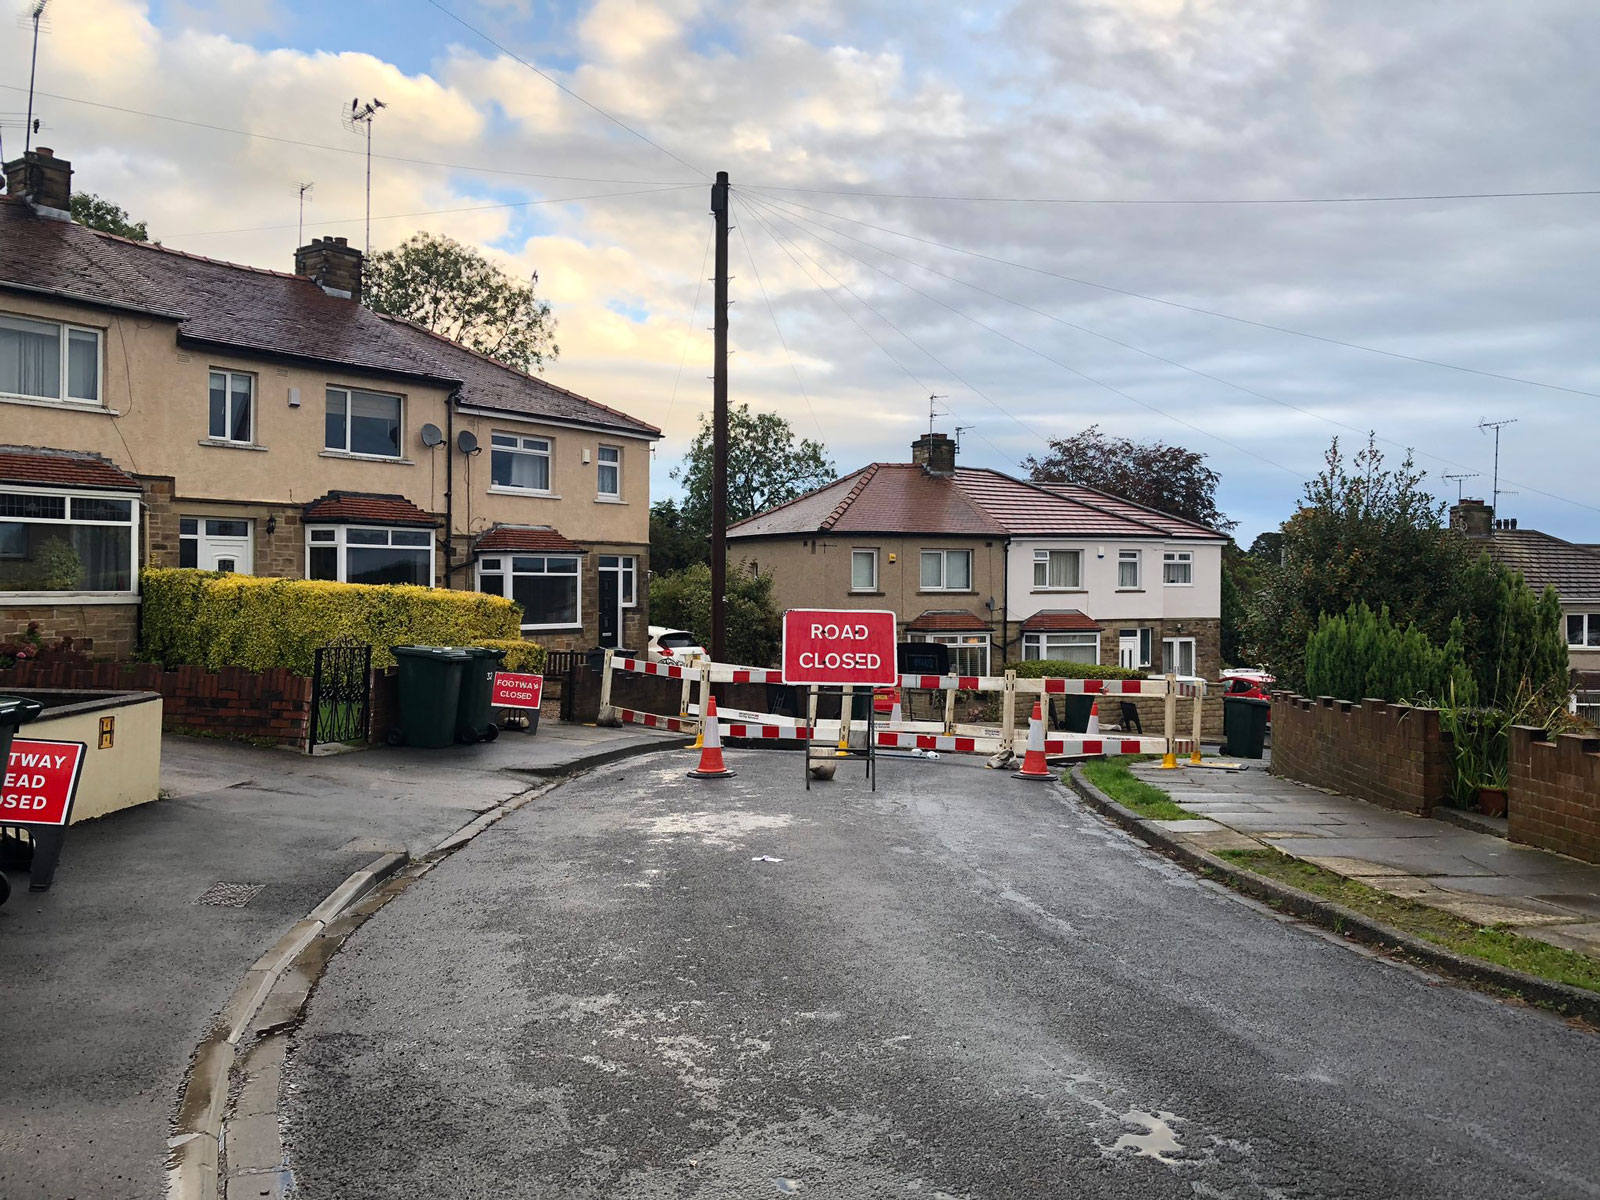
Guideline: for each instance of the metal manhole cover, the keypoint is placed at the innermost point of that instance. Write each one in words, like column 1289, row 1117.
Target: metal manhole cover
column 230, row 895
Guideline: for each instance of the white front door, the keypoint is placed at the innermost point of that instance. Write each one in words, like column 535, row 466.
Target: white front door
column 218, row 544
column 1128, row 648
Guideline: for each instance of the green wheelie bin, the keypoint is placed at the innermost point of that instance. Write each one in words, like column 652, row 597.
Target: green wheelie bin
column 430, row 694
column 1244, row 726
column 474, row 711
column 15, row 712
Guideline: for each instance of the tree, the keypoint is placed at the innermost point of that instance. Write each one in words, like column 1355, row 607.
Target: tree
column 682, row 600
column 92, row 212
column 1166, row 478
column 766, row 466
column 455, row 291
column 673, row 545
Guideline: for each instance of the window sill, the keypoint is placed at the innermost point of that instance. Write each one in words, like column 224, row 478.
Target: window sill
column 88, row 406
column 1077, row 591
column 1130, row 590
column 496, row 489
column 577, row 628
column 70, row 598
column 375, row 458
column 609, row 500
column 225, row 444
column 866, row 592
column 947, row 591
column 1165, row 584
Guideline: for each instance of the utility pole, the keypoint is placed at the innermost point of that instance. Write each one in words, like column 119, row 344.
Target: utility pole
column 1496, row 426
column 719, row 426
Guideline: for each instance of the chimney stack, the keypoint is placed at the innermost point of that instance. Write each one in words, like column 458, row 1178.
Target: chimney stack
column 44, row 181
column 335, row 266
column 935, row 453
column 1472, row 517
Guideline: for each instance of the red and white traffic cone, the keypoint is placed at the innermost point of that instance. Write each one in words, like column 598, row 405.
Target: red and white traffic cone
column 1033, row 764
column 711, row 764
column 1093, row 728
column 895, row 717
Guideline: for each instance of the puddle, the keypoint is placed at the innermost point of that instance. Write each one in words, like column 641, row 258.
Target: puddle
column 716, row 828
column 1155, row 1139
column 787, row 1186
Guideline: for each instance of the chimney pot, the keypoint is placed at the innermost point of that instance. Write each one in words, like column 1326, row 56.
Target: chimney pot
column 44, row 180
column 335, row 266
column 1473, row 518
column 935, row 453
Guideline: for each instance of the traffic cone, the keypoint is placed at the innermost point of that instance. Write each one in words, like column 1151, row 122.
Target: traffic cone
column 711, row 764
column 1093, row 728
column 1033, row 764
column 894, row 714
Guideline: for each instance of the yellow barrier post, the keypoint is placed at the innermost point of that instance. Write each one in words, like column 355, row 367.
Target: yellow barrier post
column 684, row 694
column 846, row 703
column 1199, row 709
column 705, row 694
column 1169, row 760
column 950, row 709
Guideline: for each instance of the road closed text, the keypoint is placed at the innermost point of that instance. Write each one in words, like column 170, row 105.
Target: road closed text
column 835, row 648
column 833, row 660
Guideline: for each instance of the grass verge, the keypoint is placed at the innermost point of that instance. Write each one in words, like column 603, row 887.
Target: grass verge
column 1111, row 776
column 1495, row 944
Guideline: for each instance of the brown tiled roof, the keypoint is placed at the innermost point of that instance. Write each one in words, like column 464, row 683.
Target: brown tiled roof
column 365, row 508
column 1118, row 506
column 55, row 468
column 1060, row 620
column 947, row 621
column 1546, row 561
column 271, row 312
column 1061, row 508
column 539, row 539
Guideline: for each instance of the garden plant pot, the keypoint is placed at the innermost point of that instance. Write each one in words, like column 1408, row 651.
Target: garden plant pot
column 1492, row 801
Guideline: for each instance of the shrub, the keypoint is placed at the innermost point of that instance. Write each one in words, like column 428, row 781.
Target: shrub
column 213, row 620
column 682, row 600
column 520, row 655
column 1365, row 654
column 1051, row 669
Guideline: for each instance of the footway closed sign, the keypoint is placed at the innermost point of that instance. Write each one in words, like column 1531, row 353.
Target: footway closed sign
column 834, row 647
column 40, row 782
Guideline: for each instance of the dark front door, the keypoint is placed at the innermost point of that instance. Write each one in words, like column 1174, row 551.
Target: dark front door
column 610, row 610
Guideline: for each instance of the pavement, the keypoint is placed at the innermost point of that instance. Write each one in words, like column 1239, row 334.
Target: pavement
column 113, row 976
column 1469, row 872
column 959, row 986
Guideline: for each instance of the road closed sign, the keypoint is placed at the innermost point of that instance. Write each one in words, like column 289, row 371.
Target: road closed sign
column 40, row 781
column 833, row 647
column 513, row 689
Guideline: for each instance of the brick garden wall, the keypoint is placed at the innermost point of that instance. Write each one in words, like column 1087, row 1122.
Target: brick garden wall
column 109, row 630
column 1388, row 754
column 1553, row 797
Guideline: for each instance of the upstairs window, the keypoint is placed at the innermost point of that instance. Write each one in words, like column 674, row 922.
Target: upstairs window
column 232, row 406
column 1583, row 630
column 1177, row 569
column 609, row 473
column 42, row 360
column 946, row 570
column 1128, row 569
column 863, row 570
column 360, row 422
column 1055, row 570
column 519, row 462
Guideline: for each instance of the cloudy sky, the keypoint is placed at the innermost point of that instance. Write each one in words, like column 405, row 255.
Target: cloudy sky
column 978, row 202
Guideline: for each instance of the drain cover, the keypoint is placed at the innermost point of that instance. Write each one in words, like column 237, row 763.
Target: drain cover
column 230, row 895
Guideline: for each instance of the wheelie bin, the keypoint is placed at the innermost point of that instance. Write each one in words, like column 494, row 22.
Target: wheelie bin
column 1244, row 726
column 430, row 694
column 15, row 712
column 474, row 713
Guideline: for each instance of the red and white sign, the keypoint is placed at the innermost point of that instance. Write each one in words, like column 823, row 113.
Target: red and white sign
column 513, row 689
column 40, row 782
column 834, row 647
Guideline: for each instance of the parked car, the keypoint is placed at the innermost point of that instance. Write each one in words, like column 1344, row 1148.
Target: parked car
column 1254, row 687
column 673, row 645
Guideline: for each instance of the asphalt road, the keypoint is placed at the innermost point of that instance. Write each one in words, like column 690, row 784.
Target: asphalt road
column 962, row 986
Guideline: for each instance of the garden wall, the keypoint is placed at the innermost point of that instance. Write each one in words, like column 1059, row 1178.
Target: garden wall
column 1553, row 796
column 1392, row 755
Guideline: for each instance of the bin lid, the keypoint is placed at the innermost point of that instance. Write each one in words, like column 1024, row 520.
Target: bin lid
column 1250, row 700
column 430, row 651
column 18, row 710
column 484, row 652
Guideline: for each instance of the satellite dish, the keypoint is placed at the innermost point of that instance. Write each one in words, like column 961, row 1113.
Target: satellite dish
column 466, row 441
column 431, row 435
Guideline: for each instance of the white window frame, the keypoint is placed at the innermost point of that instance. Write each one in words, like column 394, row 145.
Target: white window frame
column 1171, row 562
column 600, row 465
column 316, row 539
column 1589, row 630
column 1035, row 645
column 529, row 446
column 1170, row 653
column 349, row 406
column 944, row 571
column 82, row 596
column 227, row 408
column 508, row 572
column 961, row 640
column 627, row 570
column 65, row 340
column 205, row 540
column 872, row 554
column 1042, row 558
column 1136, row 557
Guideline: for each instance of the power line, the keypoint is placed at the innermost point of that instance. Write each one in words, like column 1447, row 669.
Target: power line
column 689, row 332
column 1195, row 308
column 1228, row 200
column 778, row 329
column 287, row 141
column 554, row 82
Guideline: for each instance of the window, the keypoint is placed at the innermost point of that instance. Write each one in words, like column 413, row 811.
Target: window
column 947, row 570
column 863, row 570
column 1062, row 647
column 1054, row 569
column 627, row 568
column 1127, row 569
column 1177, row 568
column 546, row 586
column 361, row 422
column 231, row 407
column 1133, row 647
column 63, row 542
column 1177, row 656
column 1583, row 629
column 41, row 360
column 215, row 544
column 969, row 652
column 362, row 554
column 608, row 480
column 519, row 462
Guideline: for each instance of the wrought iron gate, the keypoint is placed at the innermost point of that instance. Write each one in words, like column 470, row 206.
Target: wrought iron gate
column 341, row 693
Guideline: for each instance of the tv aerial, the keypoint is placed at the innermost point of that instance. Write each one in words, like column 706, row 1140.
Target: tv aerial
column 1459, row 477
column 35, row 17
column 358, row 120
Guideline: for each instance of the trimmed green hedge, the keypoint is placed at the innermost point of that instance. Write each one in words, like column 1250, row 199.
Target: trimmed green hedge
column 212, row 620
column 520, row 655
column 1045, row 668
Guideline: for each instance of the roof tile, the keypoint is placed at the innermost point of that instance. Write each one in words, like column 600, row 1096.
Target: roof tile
column 541, row 539
column 74, row 468
column 947, row 621
column 1546, row 561
column 1060, row 620
column 365, row 508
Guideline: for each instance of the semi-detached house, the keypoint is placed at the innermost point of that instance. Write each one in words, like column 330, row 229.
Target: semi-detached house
column 998, row 569
column 158, row 408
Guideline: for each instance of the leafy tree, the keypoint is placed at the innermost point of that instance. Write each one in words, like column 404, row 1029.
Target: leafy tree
column 1363, row 654
column 1167, row 478
column 682, row 600
column 455, row 291
column 94, row 212
column 1234, row 611
column 767, row 466
column 673, row 545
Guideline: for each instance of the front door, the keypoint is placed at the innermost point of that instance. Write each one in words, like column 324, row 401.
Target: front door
column 1128, row 648
column 216, row 544
column 610, row 604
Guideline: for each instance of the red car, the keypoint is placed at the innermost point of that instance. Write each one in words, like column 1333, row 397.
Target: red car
column 1255, row 689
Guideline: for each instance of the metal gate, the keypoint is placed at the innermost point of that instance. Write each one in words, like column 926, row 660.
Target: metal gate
column 341, row 693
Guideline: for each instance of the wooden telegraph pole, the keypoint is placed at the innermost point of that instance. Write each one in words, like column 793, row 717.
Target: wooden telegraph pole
column 719, row 428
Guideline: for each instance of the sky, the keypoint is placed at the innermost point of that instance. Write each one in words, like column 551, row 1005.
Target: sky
column 1011, row 207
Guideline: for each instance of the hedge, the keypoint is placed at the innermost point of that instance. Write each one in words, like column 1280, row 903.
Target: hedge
column 1049, row 668
column 520, row 655
column 212, row 620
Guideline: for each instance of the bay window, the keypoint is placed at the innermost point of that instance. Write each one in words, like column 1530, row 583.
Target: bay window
column 1055, row 570
column 362, row 422
column 54, row 541
column 546, row 586
column 369, row 554
column 946, row 571
column 519, row 462
column 969, row 652
column 1062, row 647
column 44, row 360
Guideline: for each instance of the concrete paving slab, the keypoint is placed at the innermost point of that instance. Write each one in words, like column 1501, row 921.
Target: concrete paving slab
column 1411, row 856
column 1188, row 826
column 253, row 1143
column 1226, row 839
column 1407, row 887
column 1584, row 938
column 1357, row 868
column 1488, row 912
